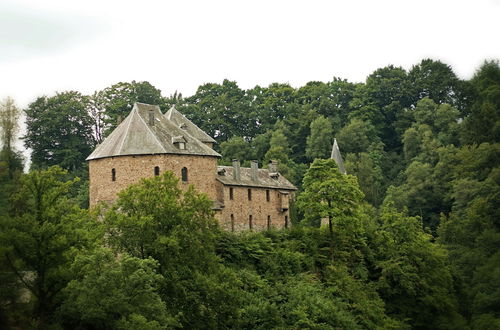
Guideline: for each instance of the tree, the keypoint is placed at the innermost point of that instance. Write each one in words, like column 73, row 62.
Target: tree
column 381, row 100
column 269, row 104
column 279, row 151
column 236, row 148
column 437, row 81
column 39, row 239
column 470, row 231
column 327, row 193
column 114, row 103
column 59, row 131
column 356, row 136
column 483, row 123
column 413, row 274
column 319, row 142
column 156, row 219
column 11, row 161
column 9, row 123
column 221, row 110
column 114, row 292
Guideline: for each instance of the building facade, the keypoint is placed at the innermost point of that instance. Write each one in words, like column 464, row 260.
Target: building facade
column 148, row 143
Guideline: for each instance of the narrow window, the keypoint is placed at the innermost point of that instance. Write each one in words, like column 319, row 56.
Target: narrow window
column 250, row 222
column 157, row 170
column 249, row 194
column 184, row 174
column 268, row 196
column 113, row 175
column 286, row 221
column 268, row 222
column 232, row 223
column 231, row 194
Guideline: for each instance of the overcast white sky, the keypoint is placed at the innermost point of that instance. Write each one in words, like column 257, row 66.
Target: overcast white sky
column 48, row 46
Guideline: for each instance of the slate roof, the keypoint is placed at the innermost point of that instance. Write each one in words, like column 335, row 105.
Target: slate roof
column 137, row 136
column 182, row 122
column 337, row 157
column 264, row 179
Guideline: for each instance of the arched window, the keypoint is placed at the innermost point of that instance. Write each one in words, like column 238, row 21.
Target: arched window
column 157, row 170
column 113, row 174
column 184, row 174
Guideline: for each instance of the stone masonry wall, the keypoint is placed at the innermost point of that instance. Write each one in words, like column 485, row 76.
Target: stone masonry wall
column 130, row 169
column 258, row 207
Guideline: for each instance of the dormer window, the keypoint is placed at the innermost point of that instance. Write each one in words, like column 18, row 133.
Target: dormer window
column 179, row 142
column 183, row 126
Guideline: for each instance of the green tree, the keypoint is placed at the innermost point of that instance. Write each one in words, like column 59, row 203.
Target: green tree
column 114, row 103
column 114, row 292
column 413, row 274
column 11, row 161
column 39, row 239
column 329, row 194
column 319, row 142
column 156, row 219
column 437, row 81
column 279, row 151
column 470, row 231
column 483, row 122
column 221, row 110
column 381, row 100
column 59, row 131
column 236, row 148
column 356, row 136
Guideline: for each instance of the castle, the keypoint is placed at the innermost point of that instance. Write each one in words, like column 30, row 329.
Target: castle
column 148, row 143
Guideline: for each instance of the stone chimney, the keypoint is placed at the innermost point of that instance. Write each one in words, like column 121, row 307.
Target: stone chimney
column 151, row 118
column 273, row 166
column 236, row 169
column 255, row 170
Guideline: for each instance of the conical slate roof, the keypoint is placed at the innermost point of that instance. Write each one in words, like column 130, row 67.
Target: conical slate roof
column 178, row 118
column 146, row 131
column 337, row 157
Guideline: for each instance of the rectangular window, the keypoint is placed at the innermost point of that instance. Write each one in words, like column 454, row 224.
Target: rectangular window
column 113, row 175
column 249, row 194
column 250, row 222
column 232, row 223
column 231, row 194
column 268, row 196
column 268, row 222
column 286, row 221
column 157, row 170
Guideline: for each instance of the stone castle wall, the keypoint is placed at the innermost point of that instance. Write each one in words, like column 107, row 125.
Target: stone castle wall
column 130, row 169
column 235, row 216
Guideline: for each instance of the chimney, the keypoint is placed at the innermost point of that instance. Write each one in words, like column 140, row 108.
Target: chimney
column 254, row 170
column 151, row 118
column 236, row 169
column 273, row 166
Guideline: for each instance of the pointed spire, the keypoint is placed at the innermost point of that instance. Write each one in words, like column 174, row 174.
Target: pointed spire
column 337, row 157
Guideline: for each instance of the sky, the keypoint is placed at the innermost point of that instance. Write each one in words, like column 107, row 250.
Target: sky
column 48, row 46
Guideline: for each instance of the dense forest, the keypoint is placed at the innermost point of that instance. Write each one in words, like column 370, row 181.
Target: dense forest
column 414, row 227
